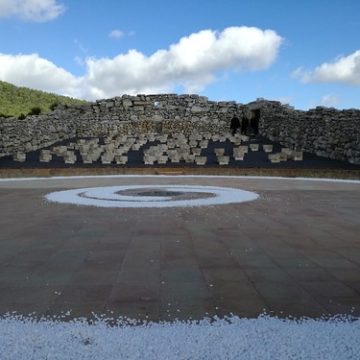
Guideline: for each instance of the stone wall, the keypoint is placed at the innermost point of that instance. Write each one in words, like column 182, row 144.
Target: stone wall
column 325, row 131
column 159, row 113
column 125, row 115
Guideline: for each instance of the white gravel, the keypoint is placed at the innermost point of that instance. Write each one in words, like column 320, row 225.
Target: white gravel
column 235, row 338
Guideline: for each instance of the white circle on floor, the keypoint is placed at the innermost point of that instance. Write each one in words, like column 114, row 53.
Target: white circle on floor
column 152, row 196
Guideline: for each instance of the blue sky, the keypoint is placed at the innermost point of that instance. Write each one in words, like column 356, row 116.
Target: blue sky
column 95, row 49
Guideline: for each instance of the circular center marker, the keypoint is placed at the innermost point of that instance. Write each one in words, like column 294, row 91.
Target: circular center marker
column 151, row 196
column 158, row 193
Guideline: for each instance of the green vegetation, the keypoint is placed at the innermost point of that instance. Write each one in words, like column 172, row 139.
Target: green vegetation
column 20, row 101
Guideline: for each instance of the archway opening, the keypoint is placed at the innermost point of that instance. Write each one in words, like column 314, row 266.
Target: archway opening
column 254, row 121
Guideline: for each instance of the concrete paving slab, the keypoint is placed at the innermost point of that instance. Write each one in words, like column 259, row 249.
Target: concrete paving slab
column 293, row 251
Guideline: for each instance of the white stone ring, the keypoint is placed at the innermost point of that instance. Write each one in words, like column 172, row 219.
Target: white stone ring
column 152, row 196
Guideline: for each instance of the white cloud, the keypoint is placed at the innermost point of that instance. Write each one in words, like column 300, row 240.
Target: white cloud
column 330, row 100
column 190, row 63
column 31, row 10
column 38, row 73
column 116, row 34
column 345, row 69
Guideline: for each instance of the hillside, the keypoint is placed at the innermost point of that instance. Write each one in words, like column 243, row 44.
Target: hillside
column 20, row 100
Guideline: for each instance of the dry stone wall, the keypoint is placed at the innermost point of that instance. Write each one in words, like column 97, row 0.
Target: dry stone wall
column 124, row 115
column 325, row 131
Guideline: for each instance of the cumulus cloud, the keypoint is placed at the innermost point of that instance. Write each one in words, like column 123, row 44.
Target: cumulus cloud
column 116, row 34
column 345, row 69
column 31, row 10
column 38, row 73
column 191, row 64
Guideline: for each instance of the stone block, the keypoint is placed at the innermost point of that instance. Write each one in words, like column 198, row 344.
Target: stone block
column 200, row 160
column 127, row 103
column 254, row 147
column 163, row 147
column 163, row 138
column 267, row 148
column 95, row 155
column 107, row 158
column 19, row 157
column 204, row 144
column 274, row 158
column 87, row 159
column 84, row 148
column 287, row 151
column 223, row 160
column 189, row 158
column 298, row 156
column 196, row 151
column 162, row 159
column 183, row 153
column 284, row 156
column 139, row 109
column 175, row 159
column 235, row 140
column 70, row 157
column 244, row 148
column 121, row 159
column 198, row 109
column 238, row 154
column 119, row 151
column 171, row 144
column 59, row 150
column 28, row 147
column 149, row 159
column 45, row 152
column 45, row 156
column 219, row 151
column 195, row 137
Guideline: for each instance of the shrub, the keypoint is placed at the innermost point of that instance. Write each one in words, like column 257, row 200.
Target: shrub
column 21, row 116
column 35, row 111
column 53, row 106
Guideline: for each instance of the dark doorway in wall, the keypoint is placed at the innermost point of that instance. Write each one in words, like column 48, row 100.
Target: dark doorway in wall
column 254, row 122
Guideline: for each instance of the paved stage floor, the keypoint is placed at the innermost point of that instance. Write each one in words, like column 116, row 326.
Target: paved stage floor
column 293, row 251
